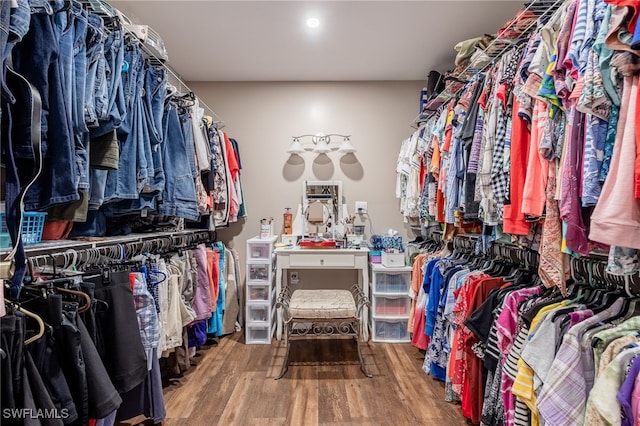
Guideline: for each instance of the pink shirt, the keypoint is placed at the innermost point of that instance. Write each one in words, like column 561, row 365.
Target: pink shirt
column 615, row 218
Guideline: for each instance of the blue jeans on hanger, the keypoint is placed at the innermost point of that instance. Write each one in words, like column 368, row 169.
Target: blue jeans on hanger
column 81, row 132
column 101, row 90
column 187, row 132
column 63, row 21
column 17, row 24
column 36, row 58
column 104, row 106
column 109, row 97
column 155, row 92
column 179, row 196
column 98, row 178
column 126, row 182
column 95, row 55
column 71, row 30
column 81, row 28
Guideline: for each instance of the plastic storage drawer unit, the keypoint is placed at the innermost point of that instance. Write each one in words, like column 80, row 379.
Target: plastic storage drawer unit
column 260, row 251
column 259, row 271
column 258, row 313
column 390, row 330
column 386, row 281
column 260, row 288
column 258, row 292
column 258, row 334
column 391, row 306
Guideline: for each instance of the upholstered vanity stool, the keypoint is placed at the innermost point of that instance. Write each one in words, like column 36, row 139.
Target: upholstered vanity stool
column 315, row 313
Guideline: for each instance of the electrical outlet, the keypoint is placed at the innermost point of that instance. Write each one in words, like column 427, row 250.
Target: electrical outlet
column 361, row 207
column 293, row 277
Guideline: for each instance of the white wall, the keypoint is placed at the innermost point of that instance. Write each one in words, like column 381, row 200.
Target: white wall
column 264, row 116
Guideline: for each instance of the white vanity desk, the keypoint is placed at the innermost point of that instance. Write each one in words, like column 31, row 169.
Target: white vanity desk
column 323, row 259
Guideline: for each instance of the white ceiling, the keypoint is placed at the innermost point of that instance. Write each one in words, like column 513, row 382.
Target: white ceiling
column 357, row 40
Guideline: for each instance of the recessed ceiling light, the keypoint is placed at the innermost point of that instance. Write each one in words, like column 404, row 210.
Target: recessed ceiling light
column 313, row 22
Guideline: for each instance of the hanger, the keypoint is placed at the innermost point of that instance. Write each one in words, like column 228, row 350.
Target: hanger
column 42, row 287
column 77, row 293
column 601, row 295
column 41, row 326
column 574, row 288
column 581, row 278
column 476, row 262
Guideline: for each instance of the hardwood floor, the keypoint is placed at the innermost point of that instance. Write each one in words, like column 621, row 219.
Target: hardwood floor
column 233, row 385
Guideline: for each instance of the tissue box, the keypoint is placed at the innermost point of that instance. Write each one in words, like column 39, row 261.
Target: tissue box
column 390, row 242
column 392, row 260
column 386, row 242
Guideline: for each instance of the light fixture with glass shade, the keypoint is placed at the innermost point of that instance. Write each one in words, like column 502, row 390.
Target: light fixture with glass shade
column 295, row 147
column 346, row 147
column 321, row 144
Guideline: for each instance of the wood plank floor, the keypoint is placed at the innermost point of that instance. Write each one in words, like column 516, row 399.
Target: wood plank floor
column 233, row 385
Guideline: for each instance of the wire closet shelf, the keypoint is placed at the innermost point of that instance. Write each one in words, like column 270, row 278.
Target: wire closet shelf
column 543, row 9
column 104, row 9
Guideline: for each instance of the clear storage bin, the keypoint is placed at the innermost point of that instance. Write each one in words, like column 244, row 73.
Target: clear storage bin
column 258, row 334
column 258, row 292
column 391, row 306
column 258, row 272
column 391, row 282
column 259, row 251
column 390, row 330
column 258, row 313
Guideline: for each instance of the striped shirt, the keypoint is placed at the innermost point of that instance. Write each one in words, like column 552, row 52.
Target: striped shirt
column 572, row 61
column 517, row 413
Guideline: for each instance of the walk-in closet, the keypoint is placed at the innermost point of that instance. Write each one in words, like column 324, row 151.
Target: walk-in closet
column 320, row 212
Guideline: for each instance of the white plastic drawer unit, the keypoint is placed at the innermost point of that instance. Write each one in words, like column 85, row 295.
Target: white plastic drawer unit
column 398, row 282
column 259, row 300
column 259, row 271
column 259, row 251
column 258, row 312
column 390, row 306
column 258, row 292
column 390, row 330
column 258, row 334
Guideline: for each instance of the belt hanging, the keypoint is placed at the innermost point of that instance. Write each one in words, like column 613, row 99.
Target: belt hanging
column 7, row 265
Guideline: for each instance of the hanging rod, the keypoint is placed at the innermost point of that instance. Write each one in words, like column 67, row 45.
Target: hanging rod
column 62, row 245
column 508, row 44
column 122, row 249
column 103, row 8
